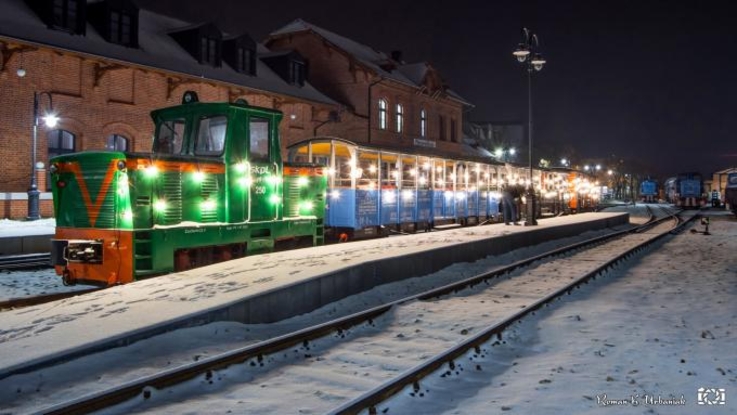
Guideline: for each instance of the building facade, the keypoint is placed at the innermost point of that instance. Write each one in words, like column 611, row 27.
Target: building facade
column 102, row 66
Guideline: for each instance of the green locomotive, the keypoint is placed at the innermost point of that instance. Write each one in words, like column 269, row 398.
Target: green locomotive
column 213, row 188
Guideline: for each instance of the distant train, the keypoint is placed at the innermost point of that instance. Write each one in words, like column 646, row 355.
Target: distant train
column 649, row 191
column 685, row 190
column 730, row 192
column 215, row 187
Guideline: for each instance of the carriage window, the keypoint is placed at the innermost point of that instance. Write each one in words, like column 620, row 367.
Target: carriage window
column 211, row 136
column 259, row 133
column 169, row 138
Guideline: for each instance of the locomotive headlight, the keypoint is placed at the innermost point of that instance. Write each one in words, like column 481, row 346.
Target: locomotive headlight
column 274, row 199
column 303, row 181
column 335, row 195
column 307, row 206
column 121, row 165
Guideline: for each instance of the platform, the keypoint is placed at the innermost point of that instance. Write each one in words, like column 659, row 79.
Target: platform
column 258, row 289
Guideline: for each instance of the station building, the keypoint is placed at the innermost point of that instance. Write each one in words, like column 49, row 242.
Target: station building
column 102, row 66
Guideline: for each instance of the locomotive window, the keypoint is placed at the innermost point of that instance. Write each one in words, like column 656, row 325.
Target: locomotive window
column 259, row 133
column 169, row 138
column 211, row 136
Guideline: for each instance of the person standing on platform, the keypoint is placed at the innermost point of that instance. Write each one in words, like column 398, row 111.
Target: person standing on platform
column 508, row 209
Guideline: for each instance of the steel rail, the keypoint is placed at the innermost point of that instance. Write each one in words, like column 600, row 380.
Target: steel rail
column 21, row 302
column 25, row 261
column 107, row 398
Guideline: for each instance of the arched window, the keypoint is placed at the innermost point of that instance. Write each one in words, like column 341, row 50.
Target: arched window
column 423, row 123
column 400, row 118
column 382, row 114
column 115, row 142
column 60, row 142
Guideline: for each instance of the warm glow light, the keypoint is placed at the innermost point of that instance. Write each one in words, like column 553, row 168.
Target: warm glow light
column 198, row 176
column 152, row 171
column 127, row 215
column 245, row 181
column 335, row 194
column 160, row 205
column 208, row 204
column 389, row 197
column 303, row 181
column 51, row 120
column 241, row 167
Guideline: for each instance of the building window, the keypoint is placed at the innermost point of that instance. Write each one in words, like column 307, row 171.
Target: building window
column 400, row 118
column 423, row 123
column 453, row 134
column 245, row 61
column 65, row 15
column 441, row 127
column 382, row 114
column 121, row 24
column 297, row 73
column 209, row 50
column 115, row 142
column 59, row 142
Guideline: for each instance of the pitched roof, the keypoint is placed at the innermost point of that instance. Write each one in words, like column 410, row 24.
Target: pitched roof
column 409, row 74
column 157, row 49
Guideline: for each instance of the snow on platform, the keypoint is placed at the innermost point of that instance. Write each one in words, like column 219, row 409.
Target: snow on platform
column 259, row 288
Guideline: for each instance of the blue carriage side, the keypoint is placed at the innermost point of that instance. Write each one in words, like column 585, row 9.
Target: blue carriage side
column 375, row 192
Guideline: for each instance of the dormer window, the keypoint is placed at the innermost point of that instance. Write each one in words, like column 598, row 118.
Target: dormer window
column 120, row 27
column 208, row 50
column 289, row 65
column 116, row 21
column 240, row 54
column 65, row 15
column 203, row 42
column 297, row 73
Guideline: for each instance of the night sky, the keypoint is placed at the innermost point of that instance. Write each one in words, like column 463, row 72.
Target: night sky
column 648, row 84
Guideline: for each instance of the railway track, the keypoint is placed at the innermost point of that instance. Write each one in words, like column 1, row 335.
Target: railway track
column 307, row 341
column 25, row 261
column 15, row 303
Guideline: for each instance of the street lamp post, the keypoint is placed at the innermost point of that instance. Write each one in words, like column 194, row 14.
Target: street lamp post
column 50, row 119
column 535, row 62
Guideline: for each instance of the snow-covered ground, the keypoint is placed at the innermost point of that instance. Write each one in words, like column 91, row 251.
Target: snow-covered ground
column 642, row 340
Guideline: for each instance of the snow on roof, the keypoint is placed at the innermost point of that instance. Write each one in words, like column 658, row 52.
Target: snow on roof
column 411, row 74
column 157, row 49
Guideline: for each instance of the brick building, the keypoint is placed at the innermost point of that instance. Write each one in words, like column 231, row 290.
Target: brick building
column 102, row 66
column 403, row 105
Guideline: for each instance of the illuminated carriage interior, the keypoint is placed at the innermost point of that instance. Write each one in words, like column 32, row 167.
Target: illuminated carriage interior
column 374, row 191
